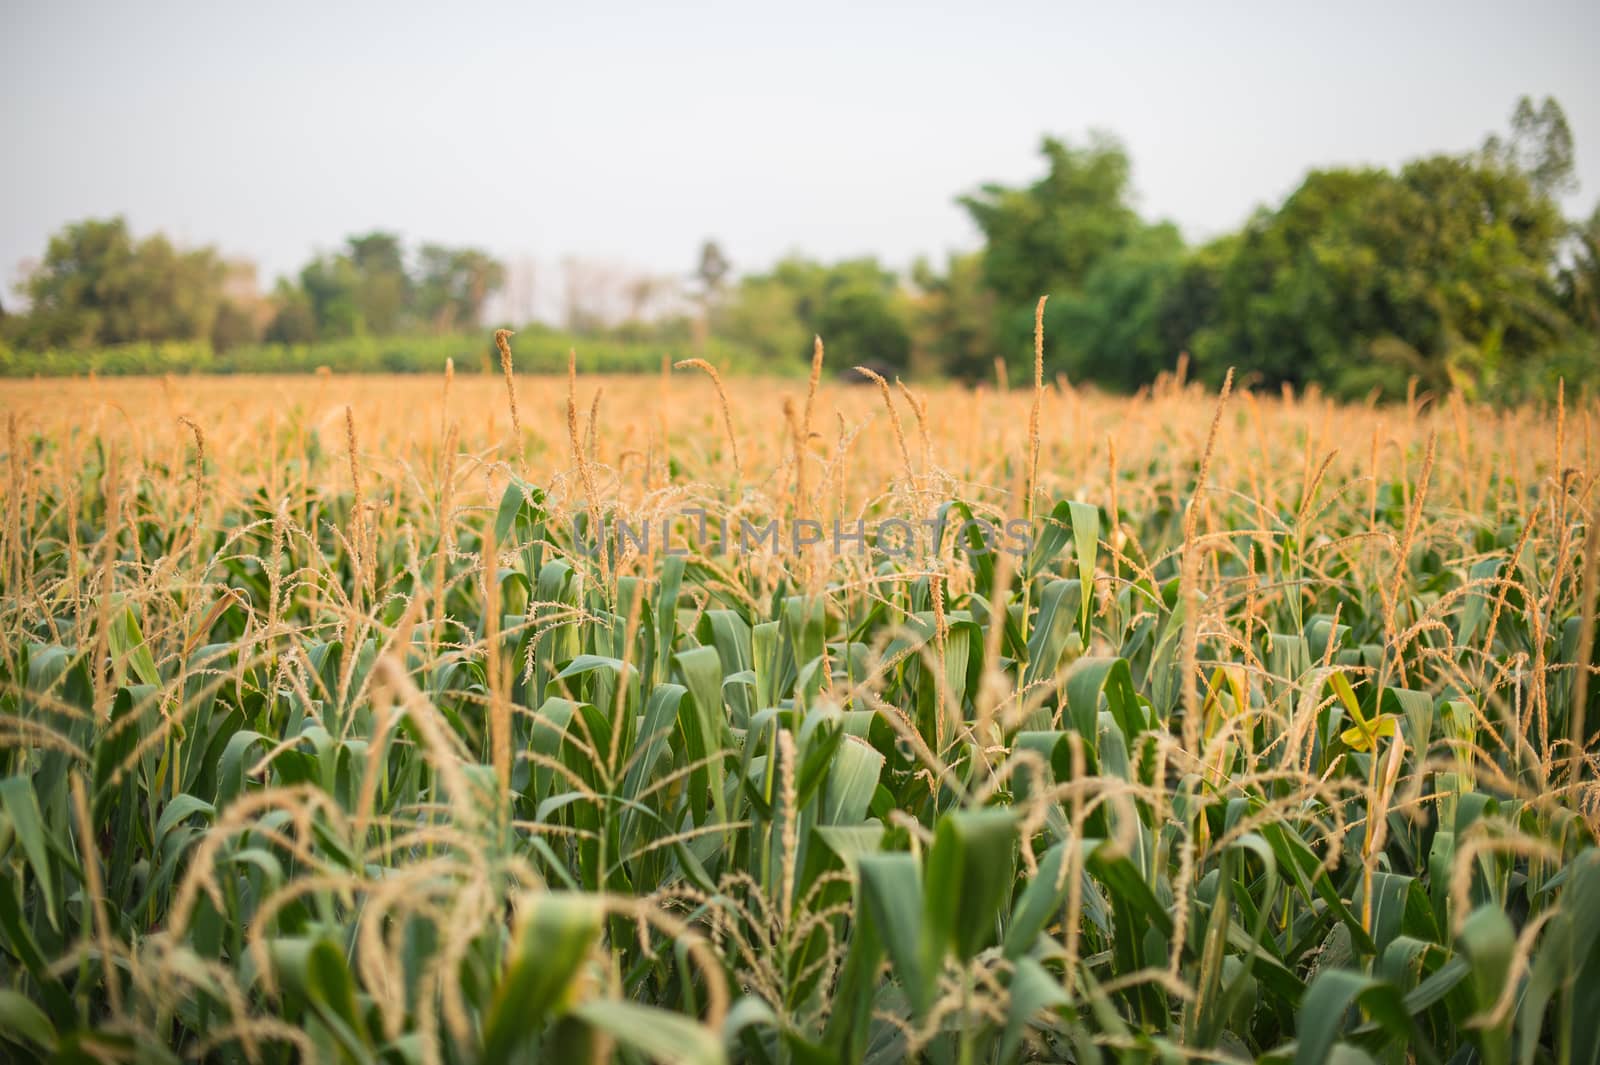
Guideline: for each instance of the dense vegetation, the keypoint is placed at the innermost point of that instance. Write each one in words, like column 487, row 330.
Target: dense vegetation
column 1453, row 272
column 540, row 350
column 323, row 737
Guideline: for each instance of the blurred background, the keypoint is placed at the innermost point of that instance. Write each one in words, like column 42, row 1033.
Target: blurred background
column 1367, row 199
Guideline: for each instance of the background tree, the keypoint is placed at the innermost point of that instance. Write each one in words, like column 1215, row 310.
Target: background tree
column 1456, row 270
column 1046, row 238
column 382, row 288
column 762, row 313
column 856, row 306
column 329, row 284
column 1540, row 146
column 362, row 290
column 96, row 285
column 233, row 326
column 1366, row 278
column 643, row 291
column 294, row 319
column 1116, row 328
column 952, row 319
column 1048, row 235
column 1580, row 278
column 453, row 284
column 711, row 270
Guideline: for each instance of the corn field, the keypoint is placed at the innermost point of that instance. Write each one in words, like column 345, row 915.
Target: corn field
column 336, row 724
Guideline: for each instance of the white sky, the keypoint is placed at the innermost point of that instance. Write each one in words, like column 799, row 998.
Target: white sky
column 632, row 132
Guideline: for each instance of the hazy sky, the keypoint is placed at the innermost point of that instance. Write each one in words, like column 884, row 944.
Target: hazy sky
column 632, row 132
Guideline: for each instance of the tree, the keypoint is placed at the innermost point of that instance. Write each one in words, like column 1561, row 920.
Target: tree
column 329, row 285
column 294, row 319
column 953, row 319
column 1047, row 236
column 642, row 292
column 366, row 289
column 362, row 290
column 453, row 284
column 712, row 269
column 1116, row 329
column 97, row 285
column 856, row 306
column 1364, row 278
column 83, row 287
column 762, row 313
column 234, row 325
column 1580, row 278
column 1540, row 146
column 383, row 290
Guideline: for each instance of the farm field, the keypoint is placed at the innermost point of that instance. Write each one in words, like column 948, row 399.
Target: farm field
column 540, row 718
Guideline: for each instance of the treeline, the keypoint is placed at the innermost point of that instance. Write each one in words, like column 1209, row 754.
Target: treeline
column 1452, row 272
column 1455, row 271
column 97, row 286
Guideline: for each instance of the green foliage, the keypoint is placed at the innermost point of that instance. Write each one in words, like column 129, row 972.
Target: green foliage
column 98, row 286
column 330, row 284
column 1119, row 328
column 1448, row 272
column 453, row 284
column 953, row 319
column 367, row 289
column 1048, row 236
column 1580, row 277
column 856, row 306
column 1364, row 279
column 1055, row 237
column 538, row 351
column 294, row 318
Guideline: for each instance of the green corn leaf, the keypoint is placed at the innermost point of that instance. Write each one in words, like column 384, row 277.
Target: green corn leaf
column 1039, row 902
column 1321, row 1018
column 1488, row 941
column 664, row 1036
column 128, row 646
column 554, row 934
column 1093, row 678
column 1058, row 614
column 21, row 1019
column 968, row 880
column 852, row 780
column 1032, row 989
column 704, row 727
column 22, row 806
column 891, row 888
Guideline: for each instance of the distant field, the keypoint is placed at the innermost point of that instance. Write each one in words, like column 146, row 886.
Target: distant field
column 978, row 726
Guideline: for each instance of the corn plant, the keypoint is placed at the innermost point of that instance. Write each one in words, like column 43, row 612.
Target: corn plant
column 353, row 733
